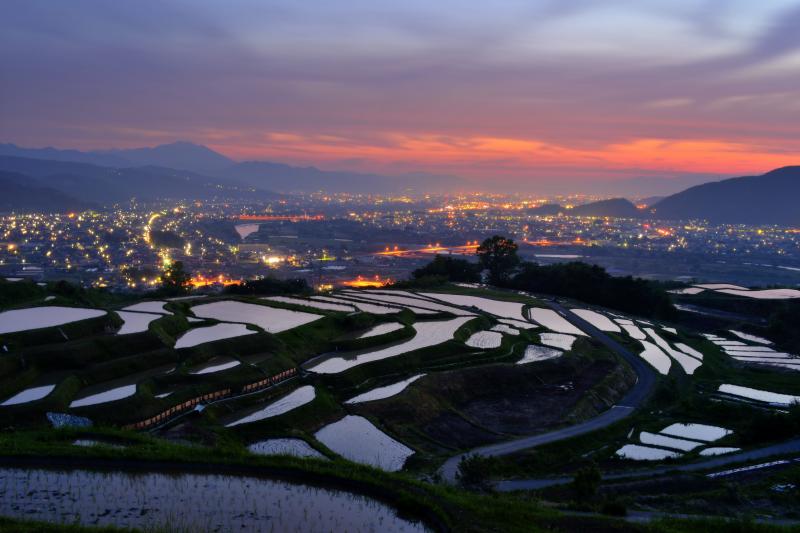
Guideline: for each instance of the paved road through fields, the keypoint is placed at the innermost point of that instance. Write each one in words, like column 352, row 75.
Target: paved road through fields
column 645, row 381
column 784, row 448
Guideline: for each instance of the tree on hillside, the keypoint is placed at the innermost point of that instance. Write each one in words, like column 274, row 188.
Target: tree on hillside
column 175, row 278
column 586, row 482
column 270, row 286
column 499, row 256
column 474, row 471
column 450, row 268
column 592, row 284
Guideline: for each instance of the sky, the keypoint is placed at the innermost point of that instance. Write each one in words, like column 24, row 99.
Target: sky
column 525, row 91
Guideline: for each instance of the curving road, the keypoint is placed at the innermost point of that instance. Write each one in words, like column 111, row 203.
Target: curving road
column 645, row 381
column 788, row 447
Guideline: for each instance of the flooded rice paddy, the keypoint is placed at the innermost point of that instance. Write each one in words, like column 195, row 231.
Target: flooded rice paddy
column 388, row 391
column 29, row 395
column 43, row 317
column 356, row 439
column 285, row 446
column 191, row 502
column 293, row 400
column 270, row 319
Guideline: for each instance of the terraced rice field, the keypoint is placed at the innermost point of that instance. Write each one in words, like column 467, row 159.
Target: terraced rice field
column 135, row 322
column 427, row 334
column 324, row 306
column 553, row 321
column 154, row 306
column 216, row 364
column 44, row 317
column 293, row 400
column 503, row 328
column 645, row 453
column 601, row 322
column 29, row 395
column 701, row 432
column 534, row 353
column 356, row 439
column 117, row 393
column 411, row 302
column 197, row 336
column 485, row 339
column 381, row 329
column 293, row 447
column 760, row 395
column 497, row 308
column 387, row 391
column 557, row 340
column 688, row 363
column 375, row 309
column 668, row 442
column 270, row 319
column 655, row 357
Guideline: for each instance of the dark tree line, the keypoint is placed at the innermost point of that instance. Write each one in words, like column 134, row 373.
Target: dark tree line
column 270, row 286
column 581, row 281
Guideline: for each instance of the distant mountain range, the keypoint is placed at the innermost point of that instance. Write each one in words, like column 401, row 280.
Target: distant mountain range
column 771, row 198
column 20, row 192
column 184, row 170
column 615, row 207
column 96, row 185
column 262, row 175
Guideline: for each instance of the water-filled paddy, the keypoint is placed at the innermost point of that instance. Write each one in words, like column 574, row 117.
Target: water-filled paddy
column 557, row 340
column 553, row 321
column 494, row 307
column 427, row 334
column 759, row 395
column 44, row 317
column 388, row 391
column 752, row 338
column 216, row 364
column 657, row 359
column 381, row 329
column 30, row 395
column 270, row 319
column 534, row 352
column 293, row 400
column 485, row 339
column 718, row 451
column 375, row 309
column 135, row 322
column 293, row 447
column 325, row 306
column 412, row 303
column 633, row 331
column 668, row 442
column 701, row 432
column 217, row 332
column 645, row 453
column 117, row 393
column 687, row 362
column 190, row 502
column 503, row 328
column 356, row 439
column 154, row 306
column 601, row 322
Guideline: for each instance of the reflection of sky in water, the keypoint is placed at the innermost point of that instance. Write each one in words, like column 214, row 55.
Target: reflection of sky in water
column 196, row 502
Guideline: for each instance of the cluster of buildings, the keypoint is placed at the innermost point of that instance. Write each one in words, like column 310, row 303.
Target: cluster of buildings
column 338, row 239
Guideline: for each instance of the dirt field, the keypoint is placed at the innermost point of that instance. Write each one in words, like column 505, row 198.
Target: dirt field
column 474, row 406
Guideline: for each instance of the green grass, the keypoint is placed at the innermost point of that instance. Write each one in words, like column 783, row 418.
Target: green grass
column 443, row 507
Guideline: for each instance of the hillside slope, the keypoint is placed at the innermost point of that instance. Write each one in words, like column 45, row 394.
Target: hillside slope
column 771, row 198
